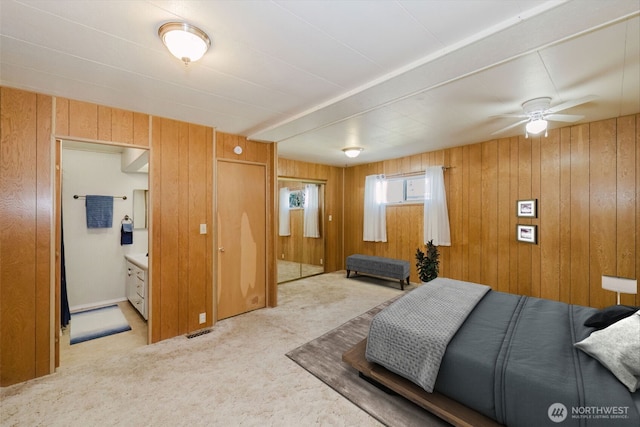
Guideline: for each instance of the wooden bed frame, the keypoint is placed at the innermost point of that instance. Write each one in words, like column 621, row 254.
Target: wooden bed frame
column 448, row 409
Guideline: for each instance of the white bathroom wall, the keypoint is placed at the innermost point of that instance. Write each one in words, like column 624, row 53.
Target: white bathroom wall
column 95, row 263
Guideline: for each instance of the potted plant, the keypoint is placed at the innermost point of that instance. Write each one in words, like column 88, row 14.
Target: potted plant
column 427, row 264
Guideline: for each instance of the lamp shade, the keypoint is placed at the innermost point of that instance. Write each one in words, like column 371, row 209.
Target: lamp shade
column 352, row 151
column 620, row 285
column 184, row 41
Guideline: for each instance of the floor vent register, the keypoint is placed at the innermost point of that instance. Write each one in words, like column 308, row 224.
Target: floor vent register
column 197, row 334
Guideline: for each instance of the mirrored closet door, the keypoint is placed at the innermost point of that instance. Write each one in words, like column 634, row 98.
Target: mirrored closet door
column 300, row 228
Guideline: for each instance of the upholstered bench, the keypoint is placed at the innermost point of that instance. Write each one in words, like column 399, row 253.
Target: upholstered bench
column 379, row 266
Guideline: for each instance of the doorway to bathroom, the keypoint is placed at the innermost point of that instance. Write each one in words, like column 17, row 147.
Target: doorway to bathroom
column 94, row 266
column 300, row 228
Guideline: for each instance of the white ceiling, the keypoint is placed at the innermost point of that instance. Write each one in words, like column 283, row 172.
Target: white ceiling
column 394, row 77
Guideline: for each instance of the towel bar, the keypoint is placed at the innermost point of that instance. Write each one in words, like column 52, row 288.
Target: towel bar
column 75, row 196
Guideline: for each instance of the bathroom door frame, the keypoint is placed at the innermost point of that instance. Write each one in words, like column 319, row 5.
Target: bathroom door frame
column 56, row 166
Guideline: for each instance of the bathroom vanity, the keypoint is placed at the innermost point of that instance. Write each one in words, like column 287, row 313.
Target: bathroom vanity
column 137, row 289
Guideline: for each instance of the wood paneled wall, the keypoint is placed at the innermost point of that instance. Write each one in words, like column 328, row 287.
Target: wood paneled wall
column 85, row 120
column 404, row 223
column 181, row 183
column 586, row 179
column 181, row 176
column 333, row 205
column 25, row 230
column 181, row 172
column 265, row 154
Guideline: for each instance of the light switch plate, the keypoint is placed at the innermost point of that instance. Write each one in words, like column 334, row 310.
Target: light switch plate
column 202, row 318
column 203, row 228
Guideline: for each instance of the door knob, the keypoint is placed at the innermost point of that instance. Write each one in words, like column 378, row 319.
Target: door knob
column 221, row 249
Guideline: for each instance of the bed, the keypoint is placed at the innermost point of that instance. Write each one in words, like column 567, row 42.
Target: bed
column 504, row 359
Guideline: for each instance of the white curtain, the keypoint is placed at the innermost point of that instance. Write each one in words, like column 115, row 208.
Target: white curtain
column 311, row 214
column 284, row 227
column 436, row 216
column 375, row 214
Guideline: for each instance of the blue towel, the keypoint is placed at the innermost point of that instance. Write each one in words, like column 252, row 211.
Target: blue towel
column 99, row 211
column 126, row 234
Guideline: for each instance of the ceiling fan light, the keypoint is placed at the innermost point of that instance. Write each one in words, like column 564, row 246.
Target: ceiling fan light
column 534, row 127
column 184, row 41
column 352, row 152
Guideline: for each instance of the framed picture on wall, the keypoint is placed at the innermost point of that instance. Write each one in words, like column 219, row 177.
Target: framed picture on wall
column 527, row 208
column 527, row 233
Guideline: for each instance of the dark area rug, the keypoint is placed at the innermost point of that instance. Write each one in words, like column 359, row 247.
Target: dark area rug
column 322, row 357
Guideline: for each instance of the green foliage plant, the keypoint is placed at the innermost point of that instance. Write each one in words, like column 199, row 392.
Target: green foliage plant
column 428, row 263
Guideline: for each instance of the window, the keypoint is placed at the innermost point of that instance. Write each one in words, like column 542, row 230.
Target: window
column 296, row 199
column 394, row 191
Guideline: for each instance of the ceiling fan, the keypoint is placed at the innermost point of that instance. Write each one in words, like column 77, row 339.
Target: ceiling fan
column 538, row 111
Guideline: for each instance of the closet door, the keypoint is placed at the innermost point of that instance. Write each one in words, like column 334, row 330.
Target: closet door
column 241, row 243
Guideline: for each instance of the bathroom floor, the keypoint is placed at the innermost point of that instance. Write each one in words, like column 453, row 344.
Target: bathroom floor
column 90, row 351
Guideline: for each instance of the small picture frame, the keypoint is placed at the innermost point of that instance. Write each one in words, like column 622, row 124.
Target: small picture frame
column 527, row 208
column 527, row 233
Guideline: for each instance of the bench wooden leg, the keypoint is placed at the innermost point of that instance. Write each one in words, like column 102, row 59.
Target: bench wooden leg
column 348, row 271
column 402, row 285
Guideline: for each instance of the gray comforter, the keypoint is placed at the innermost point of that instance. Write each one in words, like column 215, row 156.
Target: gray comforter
column 411, row 335
column 513, row 360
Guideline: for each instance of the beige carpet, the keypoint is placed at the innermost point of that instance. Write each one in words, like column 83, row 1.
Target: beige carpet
column 236, row 375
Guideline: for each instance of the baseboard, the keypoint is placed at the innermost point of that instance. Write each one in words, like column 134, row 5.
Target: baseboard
column 84, row 307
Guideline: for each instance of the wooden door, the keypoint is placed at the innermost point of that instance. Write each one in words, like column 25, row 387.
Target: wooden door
column 241, row 223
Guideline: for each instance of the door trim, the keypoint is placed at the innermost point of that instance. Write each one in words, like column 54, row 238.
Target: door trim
column 56, row 167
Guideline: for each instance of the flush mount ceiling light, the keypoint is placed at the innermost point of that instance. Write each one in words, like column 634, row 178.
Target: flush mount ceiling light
column 184, row 41
column 352, row 151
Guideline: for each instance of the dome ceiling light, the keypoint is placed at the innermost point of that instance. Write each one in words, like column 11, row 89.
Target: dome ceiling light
column 185, row 41
column 352, row 152
column 535, row 126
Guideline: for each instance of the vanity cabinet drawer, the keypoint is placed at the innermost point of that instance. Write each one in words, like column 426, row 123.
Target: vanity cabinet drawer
column 137, row 288
column 140, row 274
column 140, row 287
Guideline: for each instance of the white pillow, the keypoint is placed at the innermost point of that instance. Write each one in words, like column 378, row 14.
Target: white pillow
column 617, row 347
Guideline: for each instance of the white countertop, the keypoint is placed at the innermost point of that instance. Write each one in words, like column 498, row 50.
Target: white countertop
column 141, row 260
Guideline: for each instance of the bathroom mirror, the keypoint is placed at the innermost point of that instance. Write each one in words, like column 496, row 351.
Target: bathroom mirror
column 140, row 211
